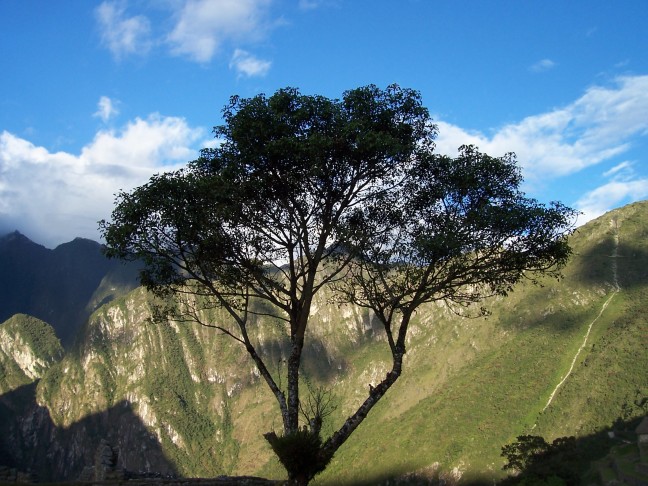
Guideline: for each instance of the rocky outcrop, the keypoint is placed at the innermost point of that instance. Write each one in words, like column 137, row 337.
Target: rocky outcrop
column 28, row 347
column 106, row 465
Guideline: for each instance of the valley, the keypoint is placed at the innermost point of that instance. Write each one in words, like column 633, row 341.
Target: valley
column 562, row 358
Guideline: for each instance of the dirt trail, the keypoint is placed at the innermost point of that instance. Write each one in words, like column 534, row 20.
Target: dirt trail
column 615, row 283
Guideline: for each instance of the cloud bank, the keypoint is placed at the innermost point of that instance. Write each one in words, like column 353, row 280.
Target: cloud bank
column 56, row 196
column 602, row 124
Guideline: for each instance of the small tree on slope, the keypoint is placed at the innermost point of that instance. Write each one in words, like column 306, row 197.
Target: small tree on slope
column 306, row 193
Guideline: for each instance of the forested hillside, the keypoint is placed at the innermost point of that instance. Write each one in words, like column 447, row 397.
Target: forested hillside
column 560, row 358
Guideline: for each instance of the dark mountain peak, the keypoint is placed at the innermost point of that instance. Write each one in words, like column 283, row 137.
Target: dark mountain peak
column 80, row 247
column 16, row 246
column 13, row 235
column 57, row 285
column 81, row 242
column 16, row 238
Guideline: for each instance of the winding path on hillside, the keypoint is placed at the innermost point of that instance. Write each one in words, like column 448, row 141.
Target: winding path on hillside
column 615, row 284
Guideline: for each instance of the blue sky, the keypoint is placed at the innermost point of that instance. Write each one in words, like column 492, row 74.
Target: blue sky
column 96, row 96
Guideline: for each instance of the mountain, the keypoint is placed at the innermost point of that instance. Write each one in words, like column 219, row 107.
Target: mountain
column 28, row 347
column 563, row 358
column 61, row 286
column 476, row 388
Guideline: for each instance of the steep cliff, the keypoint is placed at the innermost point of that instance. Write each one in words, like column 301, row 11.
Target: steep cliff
column 194, row 389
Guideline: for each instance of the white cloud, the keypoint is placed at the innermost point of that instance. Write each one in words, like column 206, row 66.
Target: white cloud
column 204, row 25
column 623, row 170
column 609, row 196
column 542, row 65
column 451, row 137
column 123, row 35
column 623, row 187
column 106, row 109
column 58, row 196
column 246, row 64
column 599, row 125
column 197, row 29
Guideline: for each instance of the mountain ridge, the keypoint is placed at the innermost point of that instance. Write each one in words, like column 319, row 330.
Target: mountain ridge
column 56, row 285
column 469, row 385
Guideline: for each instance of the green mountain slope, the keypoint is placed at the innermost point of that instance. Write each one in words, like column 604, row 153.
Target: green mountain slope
column 469, row 385
column 28, row 347
column 610, row 377
column 506, row 387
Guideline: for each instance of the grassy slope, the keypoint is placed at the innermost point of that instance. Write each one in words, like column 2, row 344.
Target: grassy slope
column 610, row 380
column 461, row 416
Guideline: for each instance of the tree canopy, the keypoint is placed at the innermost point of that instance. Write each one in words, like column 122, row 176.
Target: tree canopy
column 305, row 193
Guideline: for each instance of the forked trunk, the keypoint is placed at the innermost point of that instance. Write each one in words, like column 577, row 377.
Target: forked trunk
column 302, row 452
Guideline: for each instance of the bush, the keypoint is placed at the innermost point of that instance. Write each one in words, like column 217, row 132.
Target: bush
column 299, row 453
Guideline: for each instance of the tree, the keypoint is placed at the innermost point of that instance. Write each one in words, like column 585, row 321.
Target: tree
column 535, row 461
column 306, row 193
column 523, row 452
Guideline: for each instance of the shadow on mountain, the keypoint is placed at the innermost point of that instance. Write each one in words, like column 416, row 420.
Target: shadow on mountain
column 605, row 457
column 632, row 264
column 593, row 269
column 568, row 461
column 596, row 265
column 30, row 442
column 62, row 286
column 536, row 313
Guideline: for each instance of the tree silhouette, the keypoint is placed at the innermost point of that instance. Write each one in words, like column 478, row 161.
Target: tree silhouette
column 306, row 193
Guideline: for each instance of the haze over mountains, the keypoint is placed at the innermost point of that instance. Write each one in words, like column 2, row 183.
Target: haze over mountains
column 565, row 358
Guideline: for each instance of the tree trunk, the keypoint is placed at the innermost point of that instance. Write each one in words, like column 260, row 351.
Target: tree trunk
column 293, row 389
column 298, row 326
